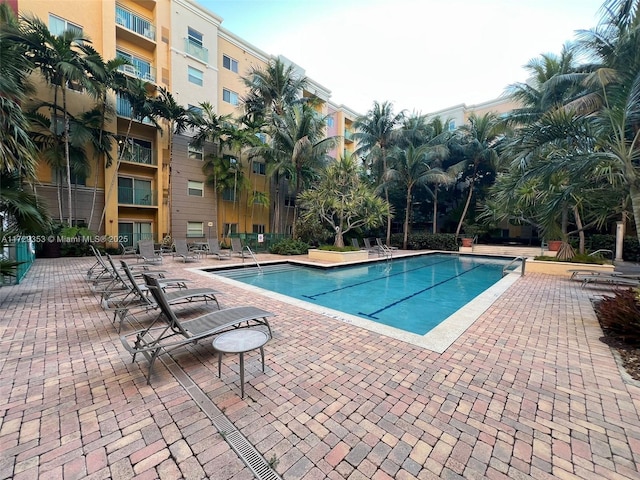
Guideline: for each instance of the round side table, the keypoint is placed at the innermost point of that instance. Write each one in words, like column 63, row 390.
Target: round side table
column 240, row 341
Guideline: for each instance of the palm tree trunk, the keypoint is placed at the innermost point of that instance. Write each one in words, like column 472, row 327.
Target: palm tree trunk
column 66, row 153
column 97, row 175
column 107, row 196
column 406, row 220
column 580, row 226
column 634, row 193
column 465, row 209
column 434, row 229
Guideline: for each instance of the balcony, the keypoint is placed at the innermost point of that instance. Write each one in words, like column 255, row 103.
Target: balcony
column 139, row 68
column 131, row 22
column 196, row 50
column 138, row 154
column 348, row 136
column 132, row 196
column 123, row 109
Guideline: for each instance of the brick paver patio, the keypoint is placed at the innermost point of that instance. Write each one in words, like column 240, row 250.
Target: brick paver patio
column 528, row 391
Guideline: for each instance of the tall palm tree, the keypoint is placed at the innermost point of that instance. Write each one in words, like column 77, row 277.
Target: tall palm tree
column 480, row 137
column 271, row 90
column 302, row 148
column 59, row 59
column 412, row 167
column 613, row 99
column 374, row 134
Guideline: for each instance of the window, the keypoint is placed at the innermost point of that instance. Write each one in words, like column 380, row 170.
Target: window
column 135, row 191
column 451, row 125
column 259, row 168
column 60, row 177
column 330, row 122
column 262, row 137
column 195, row 152
column 258, row 228
column 136, row 150
column 289, row 201
column 194, row 109
column 229, row 63
column 230, row 228
column 58, row 25
column 195, row 189
column 195, row 76
column 195, row 229
column 229, row 96
column 195, row 37
column 229, row 195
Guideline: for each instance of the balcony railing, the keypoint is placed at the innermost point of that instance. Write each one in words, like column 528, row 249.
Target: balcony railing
column 135, row 23
column 138, row 154
column 195, row 50
column 123, row 109
column 348, row 135
column 131, row 196
column 138, row 68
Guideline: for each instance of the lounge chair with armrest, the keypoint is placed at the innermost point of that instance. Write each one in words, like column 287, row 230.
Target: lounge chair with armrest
column 148, row 253
column 237, row 248
column 214, row 249
column 142, row 300
column 168, row 332
column 181, row 250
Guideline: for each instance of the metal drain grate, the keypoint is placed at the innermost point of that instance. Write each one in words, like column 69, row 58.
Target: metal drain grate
column 251, row 457
column 238, row 442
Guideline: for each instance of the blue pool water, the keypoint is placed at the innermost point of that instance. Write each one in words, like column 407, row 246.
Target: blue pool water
column 413, row 294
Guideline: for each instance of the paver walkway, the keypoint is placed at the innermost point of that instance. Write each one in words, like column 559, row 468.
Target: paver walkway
column 528, row 391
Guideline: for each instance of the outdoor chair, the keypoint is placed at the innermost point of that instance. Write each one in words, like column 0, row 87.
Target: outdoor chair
column 120, row 288
column 370, row 248
column 182, row 251
column 214, row 249
column 127, row 250
column 147, row 252
column 237, row 248
column 356, row 244
column 167, row 332
column 141, row 298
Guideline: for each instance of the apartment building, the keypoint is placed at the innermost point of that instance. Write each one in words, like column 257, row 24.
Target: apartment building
column 458, row 115
column 157, row 187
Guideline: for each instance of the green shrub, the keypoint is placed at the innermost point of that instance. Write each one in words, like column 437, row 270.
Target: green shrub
column 620, row 315
column 427, row 241
column 333, row 248
column 290, row 247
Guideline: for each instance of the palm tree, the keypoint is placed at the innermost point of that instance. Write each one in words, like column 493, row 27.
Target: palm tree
column 614, row 92
column 271, row 90
column 374, row 134
column 480, row 137
column 301, row 148
column 412, row 167
column 59, row 59
column 17, row 151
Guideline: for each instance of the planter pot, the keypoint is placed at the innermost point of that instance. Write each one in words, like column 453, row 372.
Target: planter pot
column 554, row 245
column 467, row 242
column 330, row 256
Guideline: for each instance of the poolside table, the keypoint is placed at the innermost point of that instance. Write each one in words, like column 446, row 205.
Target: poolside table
column 240, row 341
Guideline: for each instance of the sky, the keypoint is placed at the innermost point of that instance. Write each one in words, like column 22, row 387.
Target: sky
column 420, row 55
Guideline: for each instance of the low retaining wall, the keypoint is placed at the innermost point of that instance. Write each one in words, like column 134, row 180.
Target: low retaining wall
column 564, row 268
column 330, row 256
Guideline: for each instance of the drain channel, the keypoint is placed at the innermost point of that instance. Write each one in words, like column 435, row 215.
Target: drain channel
column 238, row 442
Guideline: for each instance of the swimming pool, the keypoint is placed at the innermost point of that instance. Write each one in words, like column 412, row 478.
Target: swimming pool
column 413, row 294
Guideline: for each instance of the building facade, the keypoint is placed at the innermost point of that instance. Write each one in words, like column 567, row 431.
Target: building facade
column 156, row 185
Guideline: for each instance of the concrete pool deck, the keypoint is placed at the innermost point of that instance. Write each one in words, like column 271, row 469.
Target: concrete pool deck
column 528, row 390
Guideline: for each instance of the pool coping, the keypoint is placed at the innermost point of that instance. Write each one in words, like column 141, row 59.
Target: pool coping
column 438, row 339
